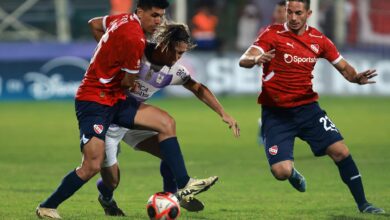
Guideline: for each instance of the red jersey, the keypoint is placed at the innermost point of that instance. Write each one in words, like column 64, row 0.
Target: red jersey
column 119, row 52
column 287, row 79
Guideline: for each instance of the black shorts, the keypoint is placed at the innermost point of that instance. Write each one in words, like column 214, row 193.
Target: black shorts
column 309, row 122
column 94, row 118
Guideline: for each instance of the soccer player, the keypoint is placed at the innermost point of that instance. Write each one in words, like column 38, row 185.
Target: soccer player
column 289, row 105
column 101, row 100
column 158, row 70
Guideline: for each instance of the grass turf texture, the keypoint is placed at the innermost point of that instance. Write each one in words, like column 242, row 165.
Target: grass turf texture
column 39, row 145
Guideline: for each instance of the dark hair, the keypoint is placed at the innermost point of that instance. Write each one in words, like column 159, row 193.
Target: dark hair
column 148, row 4
column 282, row 3
column 306, row 2
column 168, row 34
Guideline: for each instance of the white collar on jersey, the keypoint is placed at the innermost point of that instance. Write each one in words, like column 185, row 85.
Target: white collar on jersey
column 134, row 16
column 286, row 27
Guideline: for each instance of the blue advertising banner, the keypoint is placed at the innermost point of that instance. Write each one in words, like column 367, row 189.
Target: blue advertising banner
column 58, row 78
column 42, row 71
column 53, row 71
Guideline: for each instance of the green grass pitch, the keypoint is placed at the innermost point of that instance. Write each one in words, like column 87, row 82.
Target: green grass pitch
column 39, row 145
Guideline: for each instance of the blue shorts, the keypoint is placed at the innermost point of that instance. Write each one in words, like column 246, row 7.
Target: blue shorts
column 94, row 118
column 309, row 122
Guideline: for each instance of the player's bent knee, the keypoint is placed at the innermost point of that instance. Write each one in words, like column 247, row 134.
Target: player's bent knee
column 281, row 175
column 282, row 170
column 114, row 184
column 168, row 124
column 87, row 172
column 338, row 152
column 92, row 169
column 339, row 156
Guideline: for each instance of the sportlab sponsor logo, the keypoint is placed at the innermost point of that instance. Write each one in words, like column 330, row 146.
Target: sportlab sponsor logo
column 288, row 58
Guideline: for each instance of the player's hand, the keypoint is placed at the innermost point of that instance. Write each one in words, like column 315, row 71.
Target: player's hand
column 265, row 57
column 364, row 77
column 232, row 124
column 134, row 88
column 129, row 80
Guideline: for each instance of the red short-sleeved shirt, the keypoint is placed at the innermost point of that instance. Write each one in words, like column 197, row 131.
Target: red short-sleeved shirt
column 119, row 52
column 287, row 79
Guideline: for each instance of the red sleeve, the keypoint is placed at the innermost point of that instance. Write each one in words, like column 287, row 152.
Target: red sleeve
column 131, row 54
column 330, row 52
column 108, row 19
column 265, row 41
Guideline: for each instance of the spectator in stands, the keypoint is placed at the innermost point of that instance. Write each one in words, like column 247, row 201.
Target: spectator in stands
column 279, row 14
column 248, row 25
column 204, row 29
column 121, row 6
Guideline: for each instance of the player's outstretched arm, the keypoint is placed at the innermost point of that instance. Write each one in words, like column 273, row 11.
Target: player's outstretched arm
column 207, row 97
column 97, row 28
column 254, row 56
column 353, row 76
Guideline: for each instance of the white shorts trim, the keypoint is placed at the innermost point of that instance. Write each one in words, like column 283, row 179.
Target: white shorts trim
column 114, row 136
column 134, row 137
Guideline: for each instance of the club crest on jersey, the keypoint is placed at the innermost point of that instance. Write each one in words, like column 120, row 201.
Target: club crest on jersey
column 160, row 78
column 315, row 48
column 98, row 128
column 273, row 150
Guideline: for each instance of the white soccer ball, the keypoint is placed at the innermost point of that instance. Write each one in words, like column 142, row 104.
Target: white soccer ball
column 163, row 206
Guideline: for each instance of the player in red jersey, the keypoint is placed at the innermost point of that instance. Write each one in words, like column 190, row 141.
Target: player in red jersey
column 288, row 53
column 101, row 98
column 158, row 70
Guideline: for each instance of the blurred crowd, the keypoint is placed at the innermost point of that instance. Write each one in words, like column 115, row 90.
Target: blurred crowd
column 216, row 25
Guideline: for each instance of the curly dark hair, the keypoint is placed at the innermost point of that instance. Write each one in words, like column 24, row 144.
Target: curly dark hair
column 170, row 33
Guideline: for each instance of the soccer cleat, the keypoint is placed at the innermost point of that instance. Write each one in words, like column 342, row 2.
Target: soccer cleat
column 194, row 187
column 297, row 181
column 371, row 209
column 110, row 208
column 43, row 212
column 193, row 205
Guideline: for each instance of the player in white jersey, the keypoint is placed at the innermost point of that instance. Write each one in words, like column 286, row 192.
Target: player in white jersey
column 152, row 78
column 158, row 70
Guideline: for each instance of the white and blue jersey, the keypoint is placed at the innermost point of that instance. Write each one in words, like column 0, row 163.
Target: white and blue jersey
column 152, row 78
